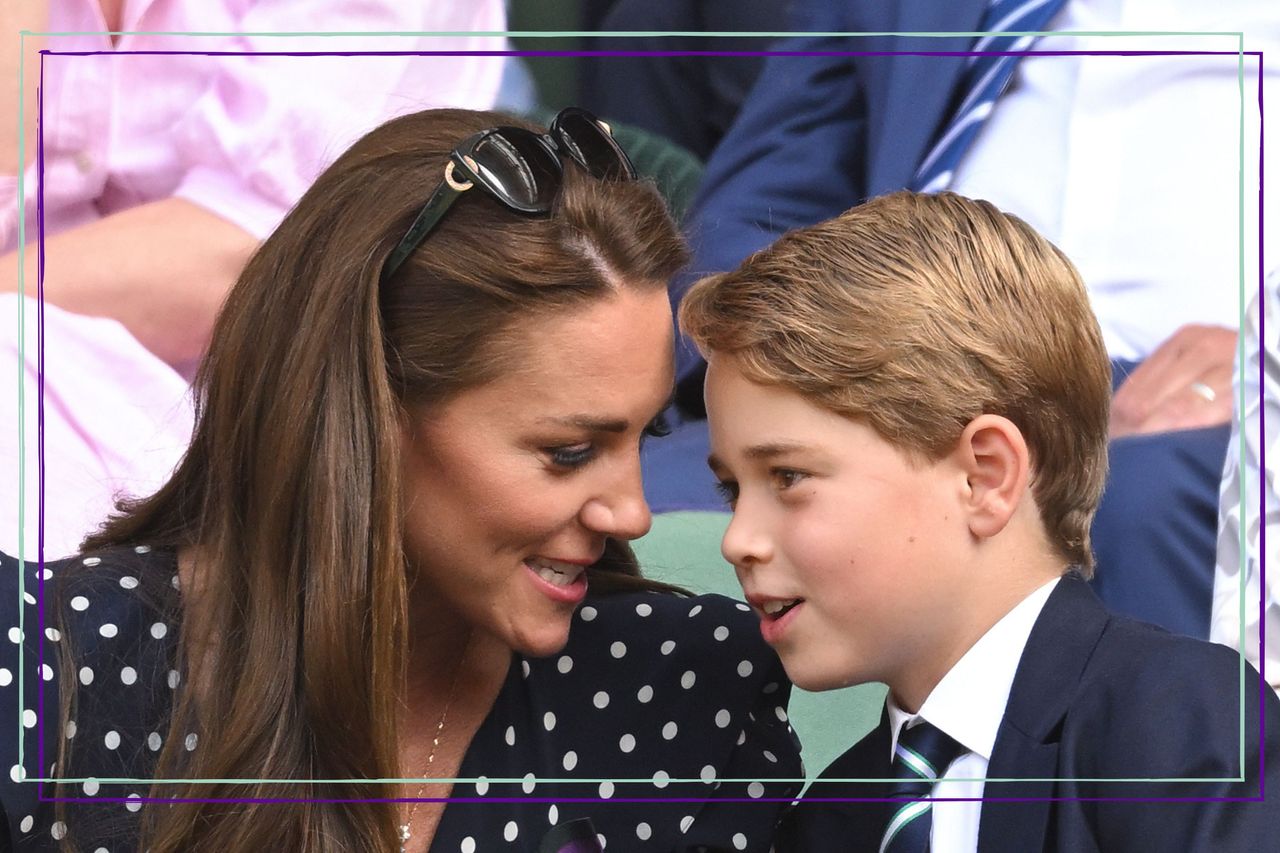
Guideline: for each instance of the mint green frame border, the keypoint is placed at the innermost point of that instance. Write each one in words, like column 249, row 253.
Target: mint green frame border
column 21, row 249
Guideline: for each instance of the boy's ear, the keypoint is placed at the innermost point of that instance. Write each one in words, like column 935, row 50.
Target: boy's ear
column 996, row 463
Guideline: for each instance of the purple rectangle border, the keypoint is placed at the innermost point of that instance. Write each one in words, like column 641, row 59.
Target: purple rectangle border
column 601, row 53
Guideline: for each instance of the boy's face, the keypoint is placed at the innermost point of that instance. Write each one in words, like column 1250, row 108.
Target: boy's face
column 870, row 544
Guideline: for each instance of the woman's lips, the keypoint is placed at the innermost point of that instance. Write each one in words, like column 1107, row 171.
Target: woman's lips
column 559, row 580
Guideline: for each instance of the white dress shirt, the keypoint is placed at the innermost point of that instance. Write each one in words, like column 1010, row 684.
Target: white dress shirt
column 968, row 704
column 1130, row 164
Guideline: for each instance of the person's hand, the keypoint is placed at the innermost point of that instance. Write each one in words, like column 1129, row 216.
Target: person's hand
column 1184, row 384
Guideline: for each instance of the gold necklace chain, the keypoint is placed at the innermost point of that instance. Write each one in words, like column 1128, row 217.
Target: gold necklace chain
column 406, row 827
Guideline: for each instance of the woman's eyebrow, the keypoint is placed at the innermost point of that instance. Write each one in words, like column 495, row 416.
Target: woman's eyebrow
column 591, row 423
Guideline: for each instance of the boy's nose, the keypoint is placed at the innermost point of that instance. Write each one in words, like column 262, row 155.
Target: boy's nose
column 745, row 543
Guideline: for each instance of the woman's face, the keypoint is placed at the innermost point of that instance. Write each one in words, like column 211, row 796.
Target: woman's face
column 512, row 488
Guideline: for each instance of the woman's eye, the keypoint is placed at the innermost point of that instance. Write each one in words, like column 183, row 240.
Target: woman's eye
column 572, row 456
column 728, row 491
column 658, row 427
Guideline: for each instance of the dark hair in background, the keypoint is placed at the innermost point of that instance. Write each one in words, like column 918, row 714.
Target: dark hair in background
column 290, row 492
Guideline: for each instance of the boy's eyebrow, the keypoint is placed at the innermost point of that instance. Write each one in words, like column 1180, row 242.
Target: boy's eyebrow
column 766, row 451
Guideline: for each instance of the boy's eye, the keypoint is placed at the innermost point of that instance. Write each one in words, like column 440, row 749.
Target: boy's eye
column 785, row 478
column 728, row 491
column 572, row 456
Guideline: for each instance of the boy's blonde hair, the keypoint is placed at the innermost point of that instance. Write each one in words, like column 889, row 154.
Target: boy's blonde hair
column 915, row 314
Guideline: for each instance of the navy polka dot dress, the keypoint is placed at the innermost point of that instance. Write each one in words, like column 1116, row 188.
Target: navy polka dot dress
column 663, row 720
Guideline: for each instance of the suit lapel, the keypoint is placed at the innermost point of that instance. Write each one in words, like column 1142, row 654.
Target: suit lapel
column 1026, row 748
column 908, row 101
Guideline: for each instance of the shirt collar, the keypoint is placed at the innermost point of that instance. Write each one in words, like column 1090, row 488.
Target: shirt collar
column 968, row 703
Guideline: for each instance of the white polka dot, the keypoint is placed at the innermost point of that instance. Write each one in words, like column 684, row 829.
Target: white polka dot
column 601, row 839
column 86, row 676
column 28, row 598
column 588, row 613
column 627, row 742
column 687, row 680
column 112, row 740
column 771, row 687
column 79, row 603
column 159, row 629
column 135, row 802
column 668, row 647
column 510, row 736
column 721, row 633
column 570, row 760
column 58, row 830
column 781, row 713
column 510, row 831
column 708, row 774
column 71, row 729
column 744, row 608
column 553, row 815
column 90, row 787
column 482, row 785
column 742, row 737
column 27, row 822
column 6, row 677
column 618, row 649
column 154, row 742
column 29, row 719
column 190, row 741
column 643, row 831
column 174, row 679
column 686, row 822
column 600, row 700
column 564, row 664
column 142, row 549
column 53, row 634
column 46, row 672
column 528, row 783
column 739, row 841
column 524, row 668
column 697, row 608
column 91, row 561
column 17, row 773
column 644, row 694
column 773, row 759
column 176, row 582
column 468, row 845
column 722, row 718
column 101, row 850
column 745, row 668
column 606, row 789
column 643, row 609
column 755, row 790
column 128, row 675
column 669, row 730
column 15, row 636
column 129, row 582
column 661, row 779
column 549, row 721
column 108, row 630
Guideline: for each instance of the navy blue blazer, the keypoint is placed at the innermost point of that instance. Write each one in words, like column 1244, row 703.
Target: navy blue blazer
column 1095, row 696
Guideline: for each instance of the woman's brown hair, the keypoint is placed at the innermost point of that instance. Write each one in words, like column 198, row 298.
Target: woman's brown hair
column 290, row 491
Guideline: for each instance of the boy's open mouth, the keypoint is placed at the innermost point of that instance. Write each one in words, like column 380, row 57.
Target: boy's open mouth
column 774, row 610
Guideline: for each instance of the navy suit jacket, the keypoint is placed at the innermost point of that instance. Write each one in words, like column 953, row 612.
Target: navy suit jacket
column 819, row 134
column 1095, row 696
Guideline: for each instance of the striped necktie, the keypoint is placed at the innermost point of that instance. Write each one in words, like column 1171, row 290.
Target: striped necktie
column 984, row 79
column 921, row 756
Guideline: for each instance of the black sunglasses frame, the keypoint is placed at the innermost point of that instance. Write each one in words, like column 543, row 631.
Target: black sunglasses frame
column 463, row 172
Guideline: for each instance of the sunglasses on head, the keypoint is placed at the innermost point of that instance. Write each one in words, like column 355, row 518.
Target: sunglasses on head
column 519, row 168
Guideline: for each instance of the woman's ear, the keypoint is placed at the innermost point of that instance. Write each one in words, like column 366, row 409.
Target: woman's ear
column 997, row 466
